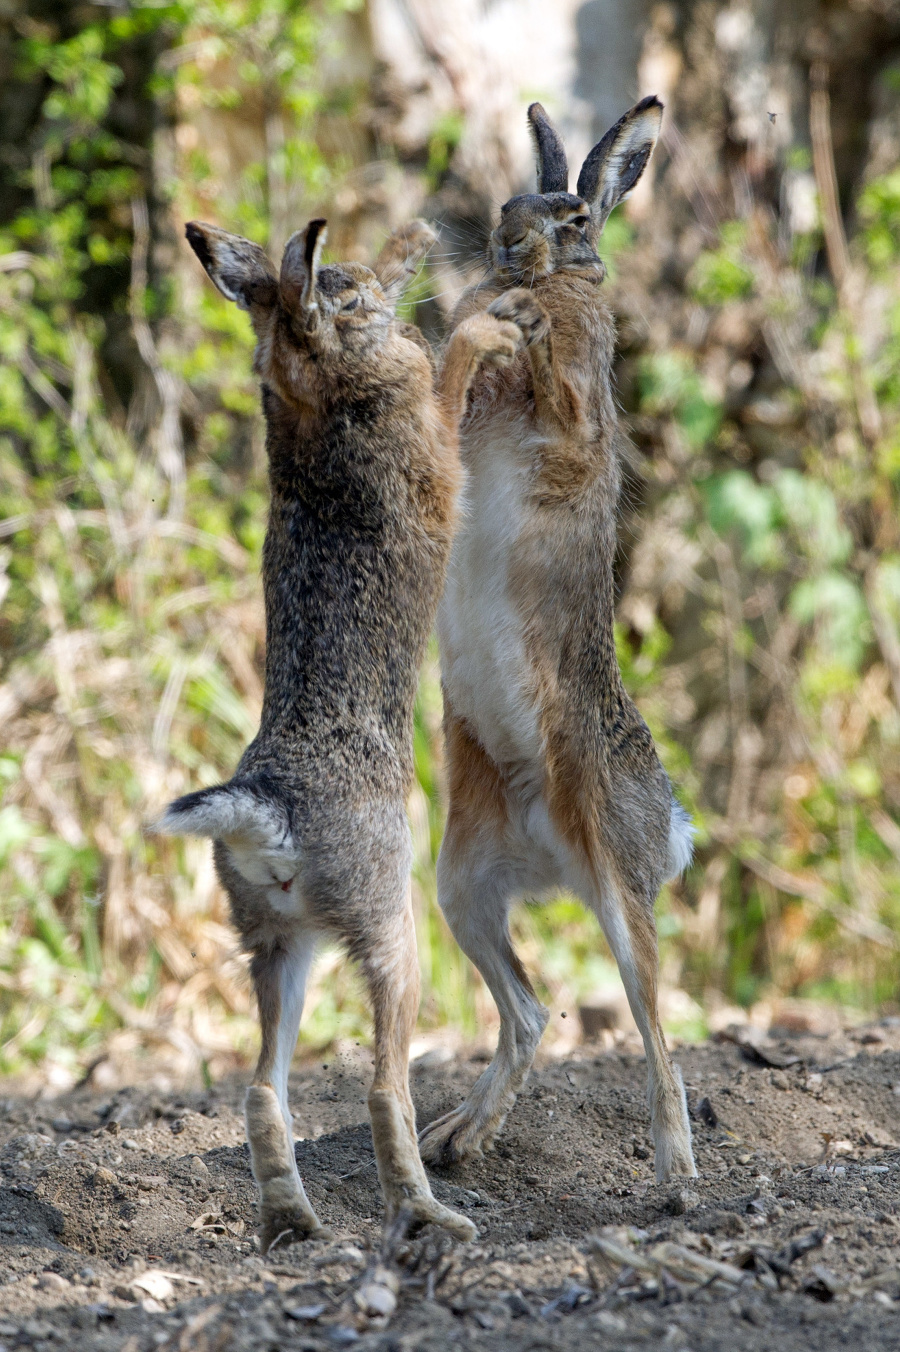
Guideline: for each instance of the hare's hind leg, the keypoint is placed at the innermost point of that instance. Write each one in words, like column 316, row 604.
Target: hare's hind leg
column 390, row 965
column 474, row 897
column 476, row 880
column 279, row 977
column 630, row 931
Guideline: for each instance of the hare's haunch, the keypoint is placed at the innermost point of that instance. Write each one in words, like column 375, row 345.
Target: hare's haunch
column 311, row 834
column 553, row 777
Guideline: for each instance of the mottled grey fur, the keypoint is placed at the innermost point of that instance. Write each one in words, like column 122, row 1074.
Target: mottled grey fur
column 311, row 833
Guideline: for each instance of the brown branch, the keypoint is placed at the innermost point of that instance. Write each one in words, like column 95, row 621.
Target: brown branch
column 169, row 445
column 867, row 411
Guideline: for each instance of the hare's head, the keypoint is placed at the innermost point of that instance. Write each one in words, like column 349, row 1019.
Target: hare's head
column 554, row 230
column 310, row 319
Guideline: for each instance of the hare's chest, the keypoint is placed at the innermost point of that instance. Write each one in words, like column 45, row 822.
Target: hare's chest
column 485, row 663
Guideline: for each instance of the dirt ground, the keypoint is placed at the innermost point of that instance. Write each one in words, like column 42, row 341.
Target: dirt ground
column 127, row 1218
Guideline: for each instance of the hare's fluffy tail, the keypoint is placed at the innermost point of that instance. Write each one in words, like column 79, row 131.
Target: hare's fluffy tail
column 681, row 841
column 252, row 819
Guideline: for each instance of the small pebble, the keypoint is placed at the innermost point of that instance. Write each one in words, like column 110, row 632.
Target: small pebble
column 683, row 1200
column 610, row 1323
column 376, row 1300
column 52, row 1281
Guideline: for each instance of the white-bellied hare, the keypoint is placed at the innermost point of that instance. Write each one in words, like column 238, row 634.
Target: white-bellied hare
column 553, row 777
column 311, row 835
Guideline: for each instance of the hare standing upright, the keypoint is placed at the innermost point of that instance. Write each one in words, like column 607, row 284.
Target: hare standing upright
column 311, row 834
column 553, row 776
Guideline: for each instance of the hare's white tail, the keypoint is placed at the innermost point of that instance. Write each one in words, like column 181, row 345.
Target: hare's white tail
column 253, row 824
column 681, row 841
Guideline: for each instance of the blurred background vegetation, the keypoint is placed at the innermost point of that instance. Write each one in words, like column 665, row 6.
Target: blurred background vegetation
column 755, row 275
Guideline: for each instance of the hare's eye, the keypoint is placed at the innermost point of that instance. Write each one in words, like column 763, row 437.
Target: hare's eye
column 580, row 221
column 350, row 304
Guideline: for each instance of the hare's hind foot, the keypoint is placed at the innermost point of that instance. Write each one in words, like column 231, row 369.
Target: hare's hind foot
column 289, row 1222
column 459, row 1134
column 670, row 1125
column 286, row 1214
column 417, row 1212
column 407, row 1193
column 674, row 1156
column 675, row 1161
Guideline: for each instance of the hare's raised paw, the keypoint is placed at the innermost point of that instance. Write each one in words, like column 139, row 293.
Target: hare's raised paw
column 520, row 307
column 417, row 1212
column 289, row 1225
column 494, row 342
column 457, row 1136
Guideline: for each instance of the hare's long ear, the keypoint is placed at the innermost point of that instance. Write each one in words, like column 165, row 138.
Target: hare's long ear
column 616, row 163
column 400, row 256
column 549, row 152
column 299, row 267
column 239, row 269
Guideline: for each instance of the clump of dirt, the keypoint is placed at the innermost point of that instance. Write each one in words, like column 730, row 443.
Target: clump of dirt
column 127, row 1219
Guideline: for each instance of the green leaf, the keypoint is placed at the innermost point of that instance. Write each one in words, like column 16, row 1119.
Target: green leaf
column 835, row 604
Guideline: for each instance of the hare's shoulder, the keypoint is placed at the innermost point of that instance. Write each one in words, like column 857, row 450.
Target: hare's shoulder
column 411, row 333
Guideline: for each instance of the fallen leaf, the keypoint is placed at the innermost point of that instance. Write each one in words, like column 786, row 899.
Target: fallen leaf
column 208, row 1220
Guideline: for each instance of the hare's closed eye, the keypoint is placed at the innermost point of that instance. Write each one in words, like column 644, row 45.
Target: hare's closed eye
column 516, row 235
column 350, row 304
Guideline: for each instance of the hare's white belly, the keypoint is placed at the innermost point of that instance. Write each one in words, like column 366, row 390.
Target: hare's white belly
column 484, row 662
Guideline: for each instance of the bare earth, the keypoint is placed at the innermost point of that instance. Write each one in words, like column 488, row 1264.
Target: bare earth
column 126, row 1219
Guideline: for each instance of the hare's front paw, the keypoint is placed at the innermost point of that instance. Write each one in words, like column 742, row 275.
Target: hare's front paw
column 494, row 342
column 417, row 235
column 520, row 307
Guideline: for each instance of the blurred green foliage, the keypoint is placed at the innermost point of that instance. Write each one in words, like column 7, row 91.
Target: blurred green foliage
column 115, row 579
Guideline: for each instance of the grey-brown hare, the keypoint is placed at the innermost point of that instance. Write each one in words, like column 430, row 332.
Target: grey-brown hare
column 311, row 835
column 553, row 777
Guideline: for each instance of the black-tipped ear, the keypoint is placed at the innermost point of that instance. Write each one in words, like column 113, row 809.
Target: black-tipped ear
column 239, row 269
column 400, row 256
column 549, row 152
column 616, row 163
column 299, row 266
